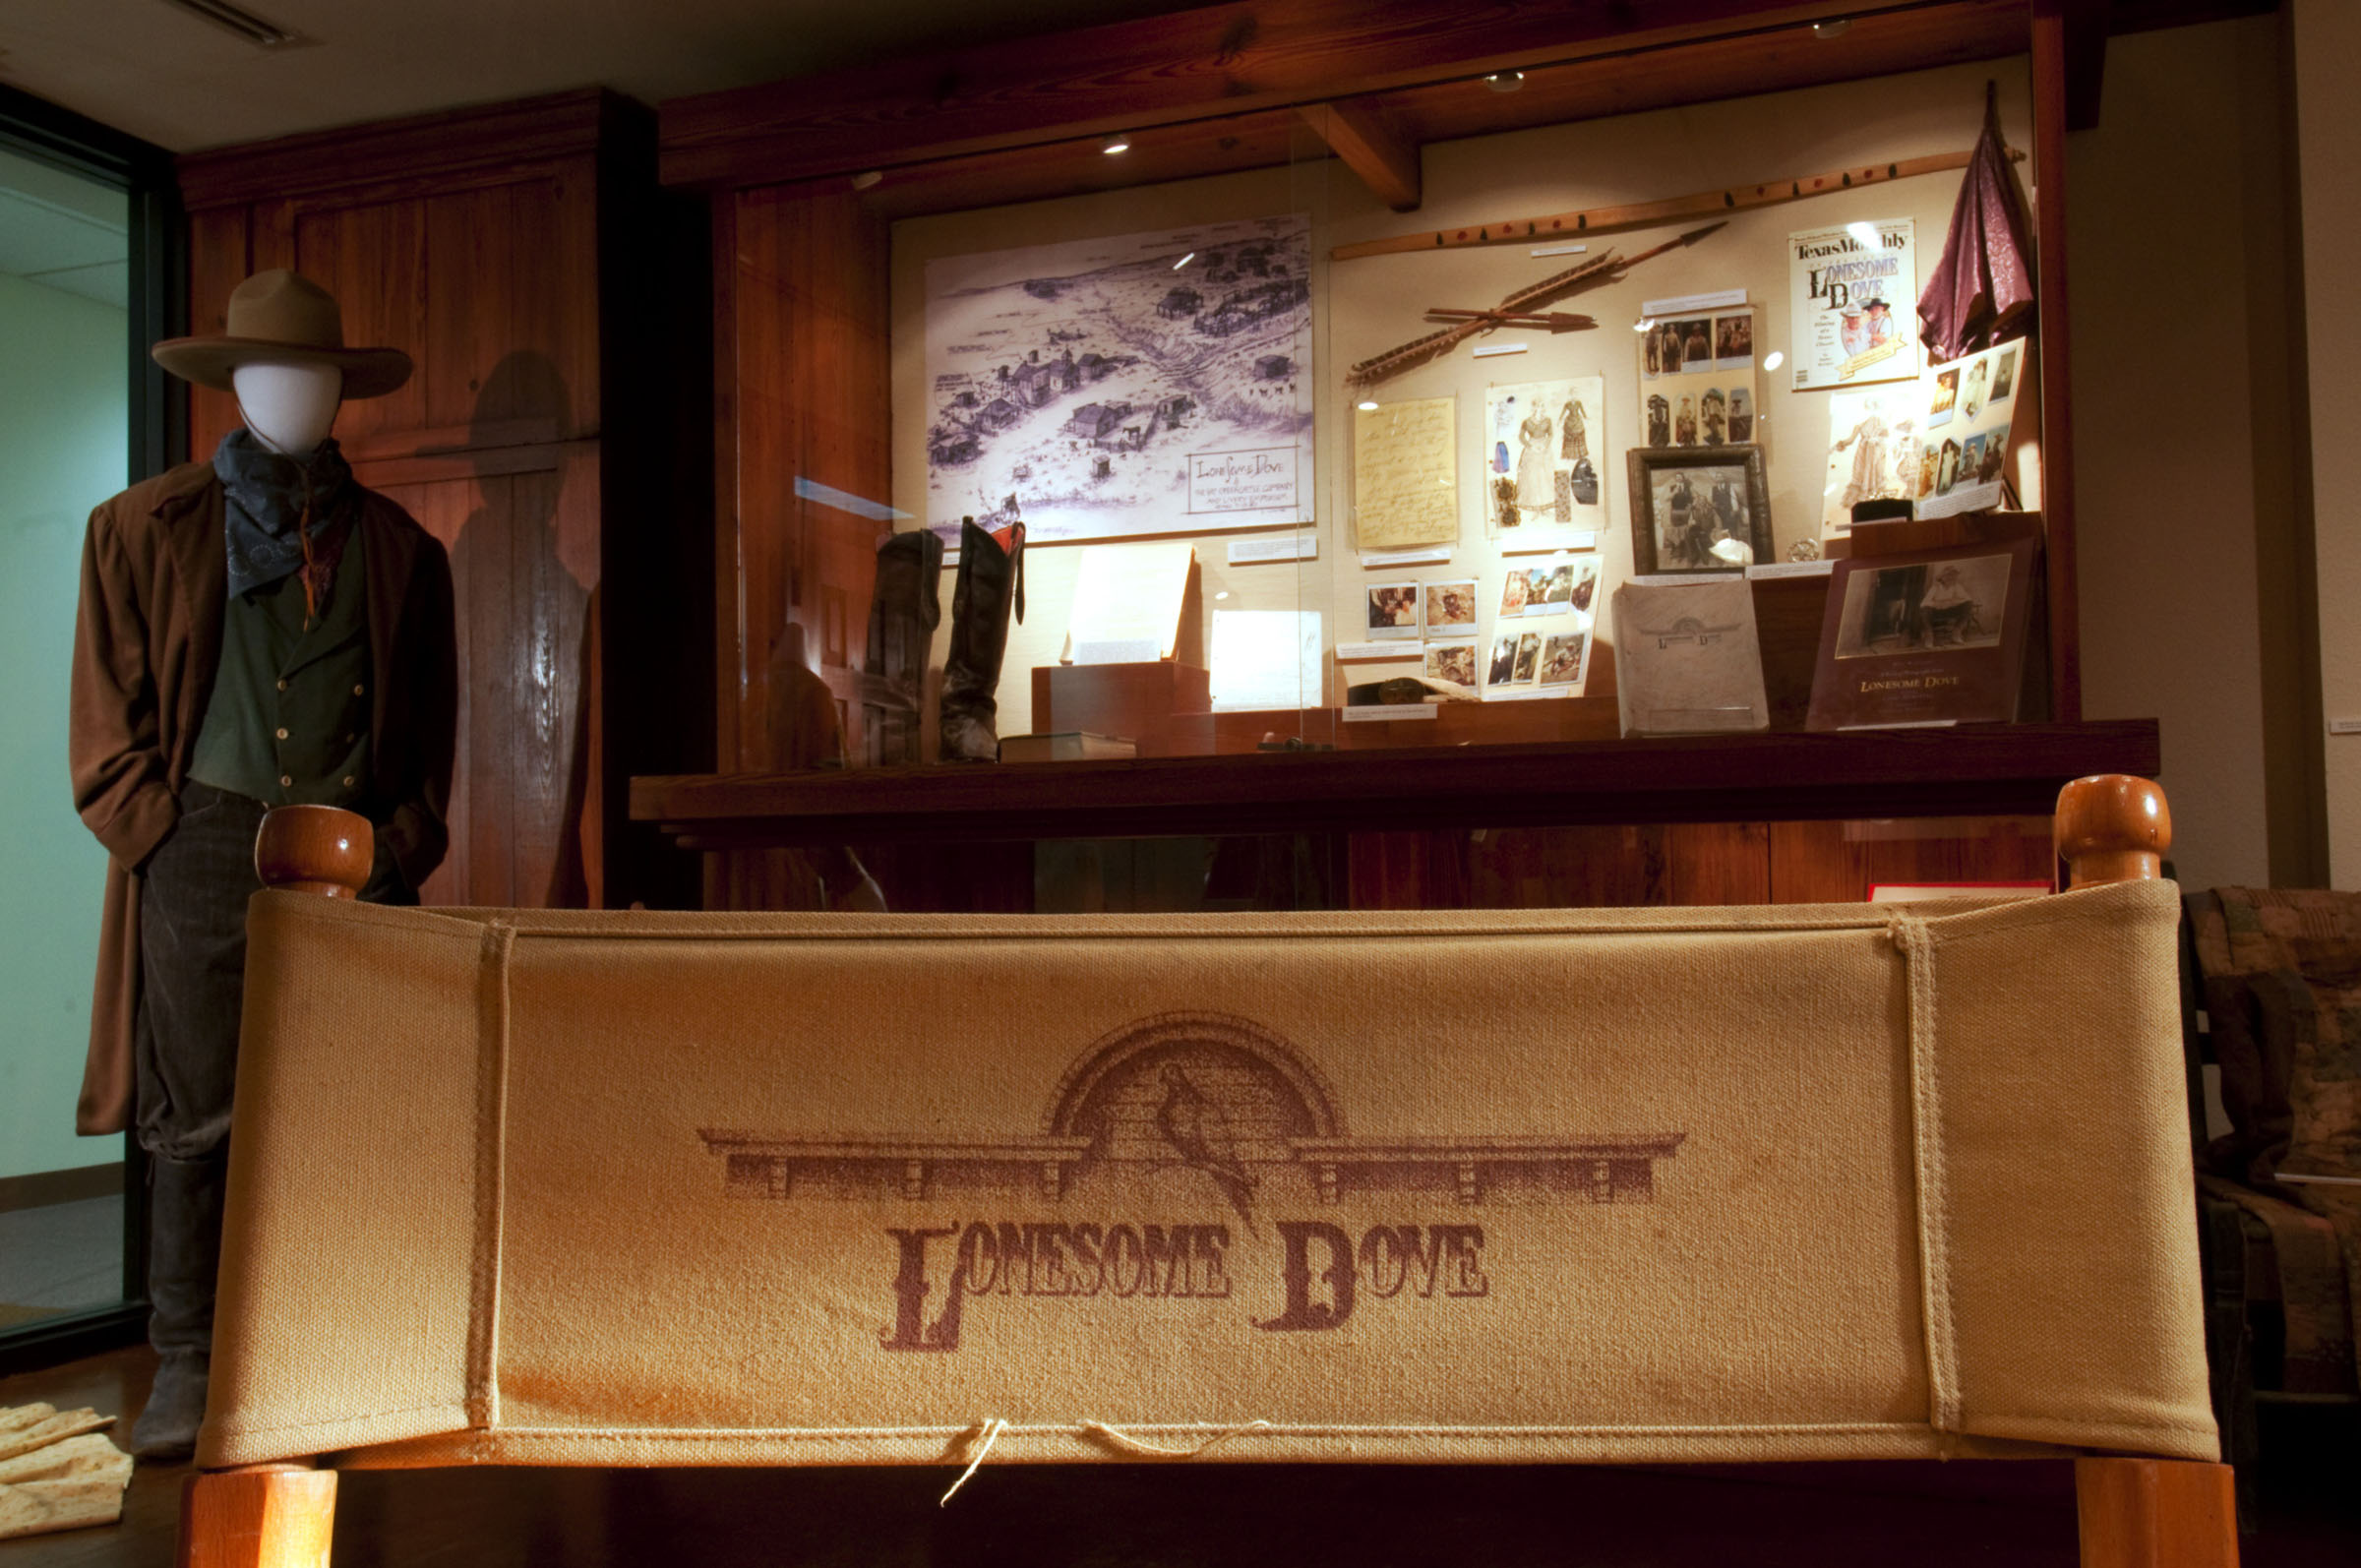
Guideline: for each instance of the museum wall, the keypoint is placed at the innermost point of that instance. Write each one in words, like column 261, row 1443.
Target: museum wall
column 64, row 423
column 1365, row 306
column 2186, row 494
column 2326, row 41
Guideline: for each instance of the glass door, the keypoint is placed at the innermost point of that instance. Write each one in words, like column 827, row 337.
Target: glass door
column 78, row 244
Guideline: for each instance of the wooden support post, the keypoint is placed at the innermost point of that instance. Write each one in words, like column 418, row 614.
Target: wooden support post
column 2155, row 1513
column 2112, row 828
column 262, row 1515
column 2138, row 1513
column 2050, row 117
column 1371, row 147
column 279, row 1516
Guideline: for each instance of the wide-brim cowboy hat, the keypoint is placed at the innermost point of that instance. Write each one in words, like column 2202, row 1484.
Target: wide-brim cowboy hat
column 282, row 317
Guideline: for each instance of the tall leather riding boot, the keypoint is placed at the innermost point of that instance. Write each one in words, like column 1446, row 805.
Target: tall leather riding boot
column 903, row 612
column 184, row 1259
column 992, row 578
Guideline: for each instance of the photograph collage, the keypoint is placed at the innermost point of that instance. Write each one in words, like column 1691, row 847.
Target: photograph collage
column 1969, row 407
column 1541, row 627
column 1697, row 380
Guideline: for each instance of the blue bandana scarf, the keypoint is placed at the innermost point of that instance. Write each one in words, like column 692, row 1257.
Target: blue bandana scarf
column 265, row 495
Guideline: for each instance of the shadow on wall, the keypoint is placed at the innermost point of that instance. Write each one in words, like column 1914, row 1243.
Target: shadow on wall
column 528, row 677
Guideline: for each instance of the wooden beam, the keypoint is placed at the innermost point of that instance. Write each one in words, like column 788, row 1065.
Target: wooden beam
column 1386, row 161
column 1654, row 215
column 2086, row 48
column 2057, row 380
column 1126, row 75
column 426, row 147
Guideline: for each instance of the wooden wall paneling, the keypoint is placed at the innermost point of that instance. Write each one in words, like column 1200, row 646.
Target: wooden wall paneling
column 373, row 259
column 805, row 379
column 729, row 437
column 1422, row 869
column 2051, row 45
column 1835, row 862
column 1717, row 863
column 220, row 257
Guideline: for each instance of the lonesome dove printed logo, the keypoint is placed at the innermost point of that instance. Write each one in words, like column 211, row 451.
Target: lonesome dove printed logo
column 1203, row 1118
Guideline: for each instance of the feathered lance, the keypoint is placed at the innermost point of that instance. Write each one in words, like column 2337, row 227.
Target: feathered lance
column 1608, row 269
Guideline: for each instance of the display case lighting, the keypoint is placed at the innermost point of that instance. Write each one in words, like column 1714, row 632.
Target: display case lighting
column 1833, row 27
column 1505, row 81
column 1119, row 143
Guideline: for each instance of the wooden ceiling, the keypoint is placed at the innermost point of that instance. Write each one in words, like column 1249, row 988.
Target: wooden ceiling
column 1260, row 83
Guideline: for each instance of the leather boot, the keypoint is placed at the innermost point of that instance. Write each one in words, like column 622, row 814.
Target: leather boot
column 992, row 578
column 903, row 612
column 184, row 1259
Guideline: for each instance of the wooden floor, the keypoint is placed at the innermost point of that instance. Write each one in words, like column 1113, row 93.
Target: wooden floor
column 1114, row 1516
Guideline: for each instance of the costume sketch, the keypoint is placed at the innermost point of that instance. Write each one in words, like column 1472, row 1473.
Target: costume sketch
column 1540, row 435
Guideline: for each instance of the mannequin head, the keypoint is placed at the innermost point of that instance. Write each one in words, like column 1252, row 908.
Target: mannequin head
column 289, row 407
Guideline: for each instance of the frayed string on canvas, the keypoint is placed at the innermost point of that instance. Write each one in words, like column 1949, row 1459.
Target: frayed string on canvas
column 987, row 1432
column 1132, row 1445
column 992, row 1427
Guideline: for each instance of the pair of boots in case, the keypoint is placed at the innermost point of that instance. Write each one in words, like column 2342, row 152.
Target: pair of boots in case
column 184, row 1260
column 991, row 582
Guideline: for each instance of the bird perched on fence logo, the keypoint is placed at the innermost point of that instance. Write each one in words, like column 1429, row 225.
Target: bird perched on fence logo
column 1196, row 1128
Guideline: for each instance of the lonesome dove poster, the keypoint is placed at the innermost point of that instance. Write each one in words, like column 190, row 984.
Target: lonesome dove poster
column 1856, row 303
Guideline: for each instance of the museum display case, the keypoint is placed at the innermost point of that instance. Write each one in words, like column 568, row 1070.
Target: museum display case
column 1324, row 372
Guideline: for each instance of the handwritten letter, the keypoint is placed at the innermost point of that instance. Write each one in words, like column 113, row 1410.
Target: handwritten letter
column 1405, row 485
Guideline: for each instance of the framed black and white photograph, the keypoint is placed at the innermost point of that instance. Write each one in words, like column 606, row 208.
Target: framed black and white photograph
column 1698, row 509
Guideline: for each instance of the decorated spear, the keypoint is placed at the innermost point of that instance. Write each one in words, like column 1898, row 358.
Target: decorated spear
column 1608, row 269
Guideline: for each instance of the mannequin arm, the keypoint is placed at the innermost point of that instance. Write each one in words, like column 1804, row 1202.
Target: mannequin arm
column 417, row 832
column 114, row 749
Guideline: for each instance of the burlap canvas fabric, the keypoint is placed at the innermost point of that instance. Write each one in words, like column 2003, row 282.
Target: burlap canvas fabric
column 1675, row 1185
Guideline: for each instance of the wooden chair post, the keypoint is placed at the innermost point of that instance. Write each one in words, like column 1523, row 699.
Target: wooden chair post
column 2157, row 1513
column 2112, row 828
column 315, row 849
column 2138, row 1513
column 259, row 1516
column 279, row 1516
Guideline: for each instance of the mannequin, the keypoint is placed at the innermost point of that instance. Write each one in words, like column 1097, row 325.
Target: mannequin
column 289, row 407
column 256, row 630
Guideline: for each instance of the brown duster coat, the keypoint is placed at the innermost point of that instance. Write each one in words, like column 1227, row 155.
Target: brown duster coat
column 147, row 641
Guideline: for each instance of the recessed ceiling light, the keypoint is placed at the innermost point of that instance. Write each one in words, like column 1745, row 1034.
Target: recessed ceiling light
column 1833, row 27
column 1505, row 81
column 1118, row 143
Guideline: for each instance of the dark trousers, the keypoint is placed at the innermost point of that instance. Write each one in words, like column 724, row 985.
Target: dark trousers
column 193, row 895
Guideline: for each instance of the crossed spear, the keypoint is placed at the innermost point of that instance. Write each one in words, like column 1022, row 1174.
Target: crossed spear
column 1520, row 309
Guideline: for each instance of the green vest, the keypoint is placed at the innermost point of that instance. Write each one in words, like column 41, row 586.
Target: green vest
column 287, row 723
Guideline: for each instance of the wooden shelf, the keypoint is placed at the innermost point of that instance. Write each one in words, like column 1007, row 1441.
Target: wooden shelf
column 1977, row 770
